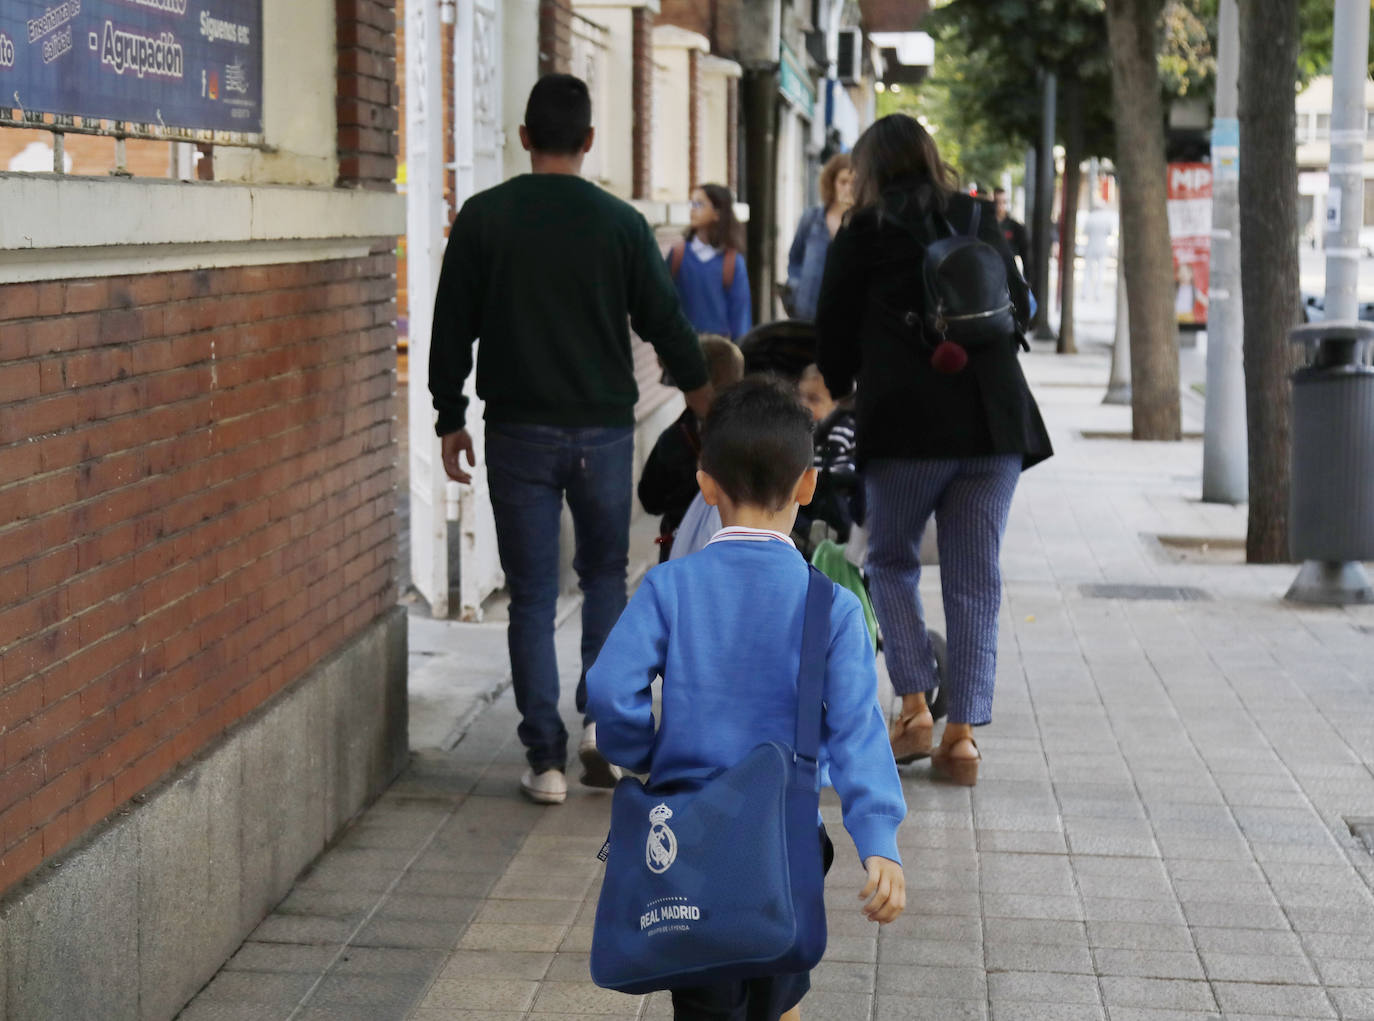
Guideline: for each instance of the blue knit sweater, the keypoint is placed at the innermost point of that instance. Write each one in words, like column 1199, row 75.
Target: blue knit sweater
column 723, row 628
column 705, row 301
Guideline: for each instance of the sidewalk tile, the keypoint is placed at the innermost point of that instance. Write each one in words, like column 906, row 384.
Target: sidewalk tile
column 479, row 994
column 563, row 998
column 1258, row 968
column 1020, row 986
column 1148, row 963
column 1285, row 1001
column 927, row 981
column 919, row 1008
column 1174, row 994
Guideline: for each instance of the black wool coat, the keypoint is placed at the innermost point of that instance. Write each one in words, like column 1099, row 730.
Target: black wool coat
column 904, row 408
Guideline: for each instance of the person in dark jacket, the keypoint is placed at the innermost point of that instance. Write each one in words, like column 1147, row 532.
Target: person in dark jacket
column 668, row 484
column 929, row 442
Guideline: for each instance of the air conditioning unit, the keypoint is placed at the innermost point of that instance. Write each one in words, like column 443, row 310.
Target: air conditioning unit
column 849, row 55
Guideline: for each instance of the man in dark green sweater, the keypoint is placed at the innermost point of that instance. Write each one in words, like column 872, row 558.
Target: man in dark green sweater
column 550, row 271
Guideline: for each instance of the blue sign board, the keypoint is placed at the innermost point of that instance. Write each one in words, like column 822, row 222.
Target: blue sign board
column 161, row 67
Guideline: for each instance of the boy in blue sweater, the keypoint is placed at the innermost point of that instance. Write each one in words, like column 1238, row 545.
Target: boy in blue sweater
column 723, row 628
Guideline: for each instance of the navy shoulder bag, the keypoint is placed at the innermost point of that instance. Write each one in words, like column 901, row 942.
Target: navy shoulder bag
column 723, row 881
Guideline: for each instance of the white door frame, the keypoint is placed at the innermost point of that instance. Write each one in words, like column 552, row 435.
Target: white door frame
column 425, row 221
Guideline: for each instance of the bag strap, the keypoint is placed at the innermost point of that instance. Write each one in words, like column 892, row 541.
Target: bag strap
column 820, row 591
column 675, row 257
column 727, row 271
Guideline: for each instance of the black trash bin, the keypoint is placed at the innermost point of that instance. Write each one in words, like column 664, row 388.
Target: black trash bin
column 1331, row 518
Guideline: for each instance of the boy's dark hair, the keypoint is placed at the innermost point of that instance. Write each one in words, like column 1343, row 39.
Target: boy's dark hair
column 756, row 442
column 558, row 114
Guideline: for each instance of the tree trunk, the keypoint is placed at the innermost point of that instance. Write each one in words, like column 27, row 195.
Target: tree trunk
column 1132, row 31
column 1068, row 243
column 1042, row 228
column 1268, row 261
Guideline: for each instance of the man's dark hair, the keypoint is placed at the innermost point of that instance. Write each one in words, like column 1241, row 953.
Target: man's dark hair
column 558, row 114
column 756, row 442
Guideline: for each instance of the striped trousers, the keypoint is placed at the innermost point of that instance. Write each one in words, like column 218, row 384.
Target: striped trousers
column 970, row 498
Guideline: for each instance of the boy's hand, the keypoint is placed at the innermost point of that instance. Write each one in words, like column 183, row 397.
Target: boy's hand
column 885, row 890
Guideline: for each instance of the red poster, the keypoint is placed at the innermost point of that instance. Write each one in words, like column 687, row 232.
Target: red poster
column 1190, row 233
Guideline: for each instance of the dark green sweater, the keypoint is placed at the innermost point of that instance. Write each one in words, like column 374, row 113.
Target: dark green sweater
column 550, row 271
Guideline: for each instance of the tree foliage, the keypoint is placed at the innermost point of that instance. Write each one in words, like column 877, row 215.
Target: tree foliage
column 983, row 87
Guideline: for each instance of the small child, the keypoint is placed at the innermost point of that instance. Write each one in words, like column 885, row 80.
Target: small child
column 722, row 627
column 837, row 487
column 669, row 481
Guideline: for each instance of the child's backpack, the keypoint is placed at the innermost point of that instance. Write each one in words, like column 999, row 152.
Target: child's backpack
column 966, row 296
column 727, row 271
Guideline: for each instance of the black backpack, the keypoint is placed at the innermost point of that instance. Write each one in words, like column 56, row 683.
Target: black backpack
column 967, row 299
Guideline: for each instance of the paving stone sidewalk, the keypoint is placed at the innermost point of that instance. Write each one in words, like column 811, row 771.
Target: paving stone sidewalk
column 1159, row 832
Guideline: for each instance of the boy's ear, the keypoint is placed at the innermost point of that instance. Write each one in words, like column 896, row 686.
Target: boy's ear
column 806, row 487
column 591, row 137
column 525, row 139
column 710, row 489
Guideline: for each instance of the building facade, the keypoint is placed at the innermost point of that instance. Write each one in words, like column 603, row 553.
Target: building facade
column 202, row 663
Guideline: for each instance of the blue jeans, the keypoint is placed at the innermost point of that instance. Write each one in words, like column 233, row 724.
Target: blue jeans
column 530, row 469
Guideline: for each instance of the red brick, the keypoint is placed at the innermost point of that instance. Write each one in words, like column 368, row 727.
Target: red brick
column 18, row 382
column 18, row 301
column 86, row 296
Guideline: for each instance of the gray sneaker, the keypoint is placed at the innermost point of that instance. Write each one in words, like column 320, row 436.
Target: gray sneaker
column 596, row 771
column 546, row 788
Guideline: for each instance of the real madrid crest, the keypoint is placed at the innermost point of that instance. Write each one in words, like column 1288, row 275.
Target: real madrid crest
column 661, row 851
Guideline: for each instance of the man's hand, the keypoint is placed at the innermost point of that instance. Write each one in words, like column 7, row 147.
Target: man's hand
column 885, row 890
column 452, row 445
column 699, row 400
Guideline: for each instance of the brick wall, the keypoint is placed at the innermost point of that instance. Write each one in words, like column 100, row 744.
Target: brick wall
column 717, row 20
column 368, row 97
column 555, row 37
column 642, row 102
column 196, row 508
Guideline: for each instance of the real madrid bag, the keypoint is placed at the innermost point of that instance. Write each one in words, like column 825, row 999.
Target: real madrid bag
column 722, row 881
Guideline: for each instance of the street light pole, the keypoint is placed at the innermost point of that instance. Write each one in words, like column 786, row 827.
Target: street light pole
column 1225, row 462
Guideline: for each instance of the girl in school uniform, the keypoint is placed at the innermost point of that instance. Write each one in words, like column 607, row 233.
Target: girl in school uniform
column 708, row 266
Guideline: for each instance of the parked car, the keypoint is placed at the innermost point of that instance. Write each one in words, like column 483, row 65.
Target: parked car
column 1314, row 309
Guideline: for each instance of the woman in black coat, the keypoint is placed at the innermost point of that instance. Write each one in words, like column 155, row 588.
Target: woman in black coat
column 933, row 437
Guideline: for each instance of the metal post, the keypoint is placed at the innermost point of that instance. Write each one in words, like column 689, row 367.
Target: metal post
column 1044, row 202
column 59, row 152
column 1225, row 459
column 1323, row 581
column 1119, row 386
column 759, row 106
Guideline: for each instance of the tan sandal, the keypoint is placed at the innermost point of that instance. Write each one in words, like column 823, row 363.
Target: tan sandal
column 963, row 772
column 911, row 740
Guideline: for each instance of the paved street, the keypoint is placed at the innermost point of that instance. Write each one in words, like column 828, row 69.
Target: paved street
column 1160, row 830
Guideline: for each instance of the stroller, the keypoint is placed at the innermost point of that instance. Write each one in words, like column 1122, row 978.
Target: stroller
column 784, row 348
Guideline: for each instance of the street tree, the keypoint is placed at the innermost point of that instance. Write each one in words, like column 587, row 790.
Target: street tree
column 1133, row 30
column 1268, row 260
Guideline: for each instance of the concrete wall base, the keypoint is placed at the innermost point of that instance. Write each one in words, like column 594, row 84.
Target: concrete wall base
column 135, row 921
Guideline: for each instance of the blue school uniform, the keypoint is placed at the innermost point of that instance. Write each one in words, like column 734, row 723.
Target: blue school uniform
column 722, row 627
column 705, row 301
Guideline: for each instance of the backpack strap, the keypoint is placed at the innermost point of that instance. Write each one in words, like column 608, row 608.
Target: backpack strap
column 679, row 249
column 727, row 271
column 820, row 591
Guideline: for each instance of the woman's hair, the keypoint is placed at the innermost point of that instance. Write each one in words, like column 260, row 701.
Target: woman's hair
column 726, row 232
column 724, row 359
column 831, row 170
column 897, row 148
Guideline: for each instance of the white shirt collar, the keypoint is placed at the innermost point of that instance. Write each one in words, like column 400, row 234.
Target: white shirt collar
column 739, row 533
column 703, row 251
